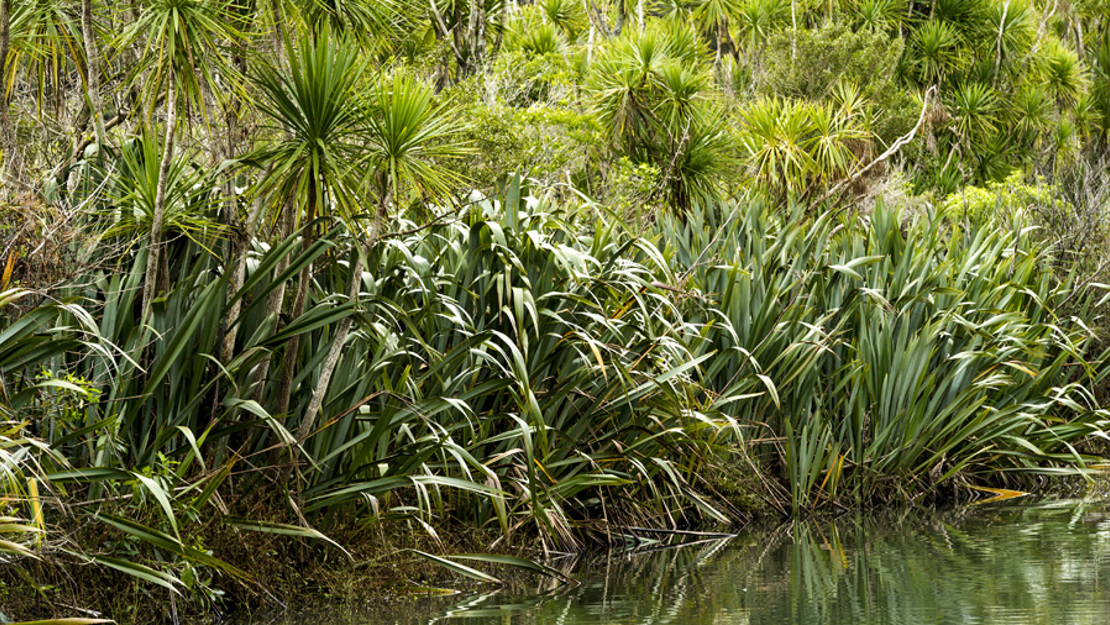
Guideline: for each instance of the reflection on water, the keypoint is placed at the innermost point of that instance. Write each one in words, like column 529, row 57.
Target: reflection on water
column 1029, row 564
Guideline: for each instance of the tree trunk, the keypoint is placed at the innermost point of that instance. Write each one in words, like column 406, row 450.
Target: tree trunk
column 597, row 19
column 239, row 246
column 239, row 242
column 332, row 359
column 720, row 40
column 279, row 33
column 80, row 123
column 793, row 31
column 154, row 258
column 500, row 33
column 451, row 37
column 275, row 302
column 92, row 64
column 292, row 346
column 1079, row 47
column 11, row 170
column 998, row 45
column 285, row 392
column 590, row 43
column 476, row 36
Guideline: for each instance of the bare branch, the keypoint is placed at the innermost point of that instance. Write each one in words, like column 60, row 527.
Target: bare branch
column 891, row 151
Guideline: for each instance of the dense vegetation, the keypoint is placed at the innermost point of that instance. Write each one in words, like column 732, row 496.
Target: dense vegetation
column 542, row 270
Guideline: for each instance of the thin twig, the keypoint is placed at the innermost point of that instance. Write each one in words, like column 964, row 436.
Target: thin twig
column 891, row 151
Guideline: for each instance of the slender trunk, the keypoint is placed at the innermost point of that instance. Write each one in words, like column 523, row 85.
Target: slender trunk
column 1079, row 47
column 998, row 44
column 462, row 49
column 239, row 242
column 720, row 40
column 451, row 37
column 640, row 14
column 590, row 43
column 292, row 347
column 163, row 285
column 154, row 258
column 332, row 359
column 500, row 33
column 289, row 370
column 92, row 61
column 279, row 34
column 80, row 123
column 383, row 209
column 274, row 303
column 12, row 166
column 597, row 19
column 237, row 246
column 793, row 31
column 476, row 35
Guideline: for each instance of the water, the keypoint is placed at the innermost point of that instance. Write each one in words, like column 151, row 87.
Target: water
column 996, row 564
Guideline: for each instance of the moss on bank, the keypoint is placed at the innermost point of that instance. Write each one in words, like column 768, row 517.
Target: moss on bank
column 368, row 564
column 285, row 573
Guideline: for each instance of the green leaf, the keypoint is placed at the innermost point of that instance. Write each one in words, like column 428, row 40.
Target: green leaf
column 140, row 571
column 516, row 562
column 284, row 530
column 455, row 567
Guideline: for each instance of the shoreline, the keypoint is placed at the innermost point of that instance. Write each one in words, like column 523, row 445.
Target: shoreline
column 294, row 576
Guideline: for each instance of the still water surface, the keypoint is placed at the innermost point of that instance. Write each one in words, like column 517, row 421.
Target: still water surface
column 1028, row 563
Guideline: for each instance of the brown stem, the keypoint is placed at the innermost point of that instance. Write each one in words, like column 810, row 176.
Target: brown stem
column 894, row 148
column 441, row 27
column 276, row 300
column 239, row 242
column 285, row 392
column 92, row 60
column 332, row 359
column 998, row 44
column 152, row 267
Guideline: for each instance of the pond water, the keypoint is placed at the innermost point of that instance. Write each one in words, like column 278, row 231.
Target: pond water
column 1028, row 563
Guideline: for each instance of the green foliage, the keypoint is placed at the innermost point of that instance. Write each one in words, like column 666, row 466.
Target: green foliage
column 566, row 15
column 1063, row 74
column 410, row 139
column 316, row 104
column 889, row 359
column 45, row 43
column 540, row 40
column 877, row 15
column 810, row 63
column 652, row 94
column 935, row 51
column 757, row 20
column 179, row 41
column 1010, row 203
column 794, row 147
column 190, row 194
column 595, row 353
column 544, row 142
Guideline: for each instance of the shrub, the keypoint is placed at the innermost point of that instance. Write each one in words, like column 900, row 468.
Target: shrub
column 811, row 62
